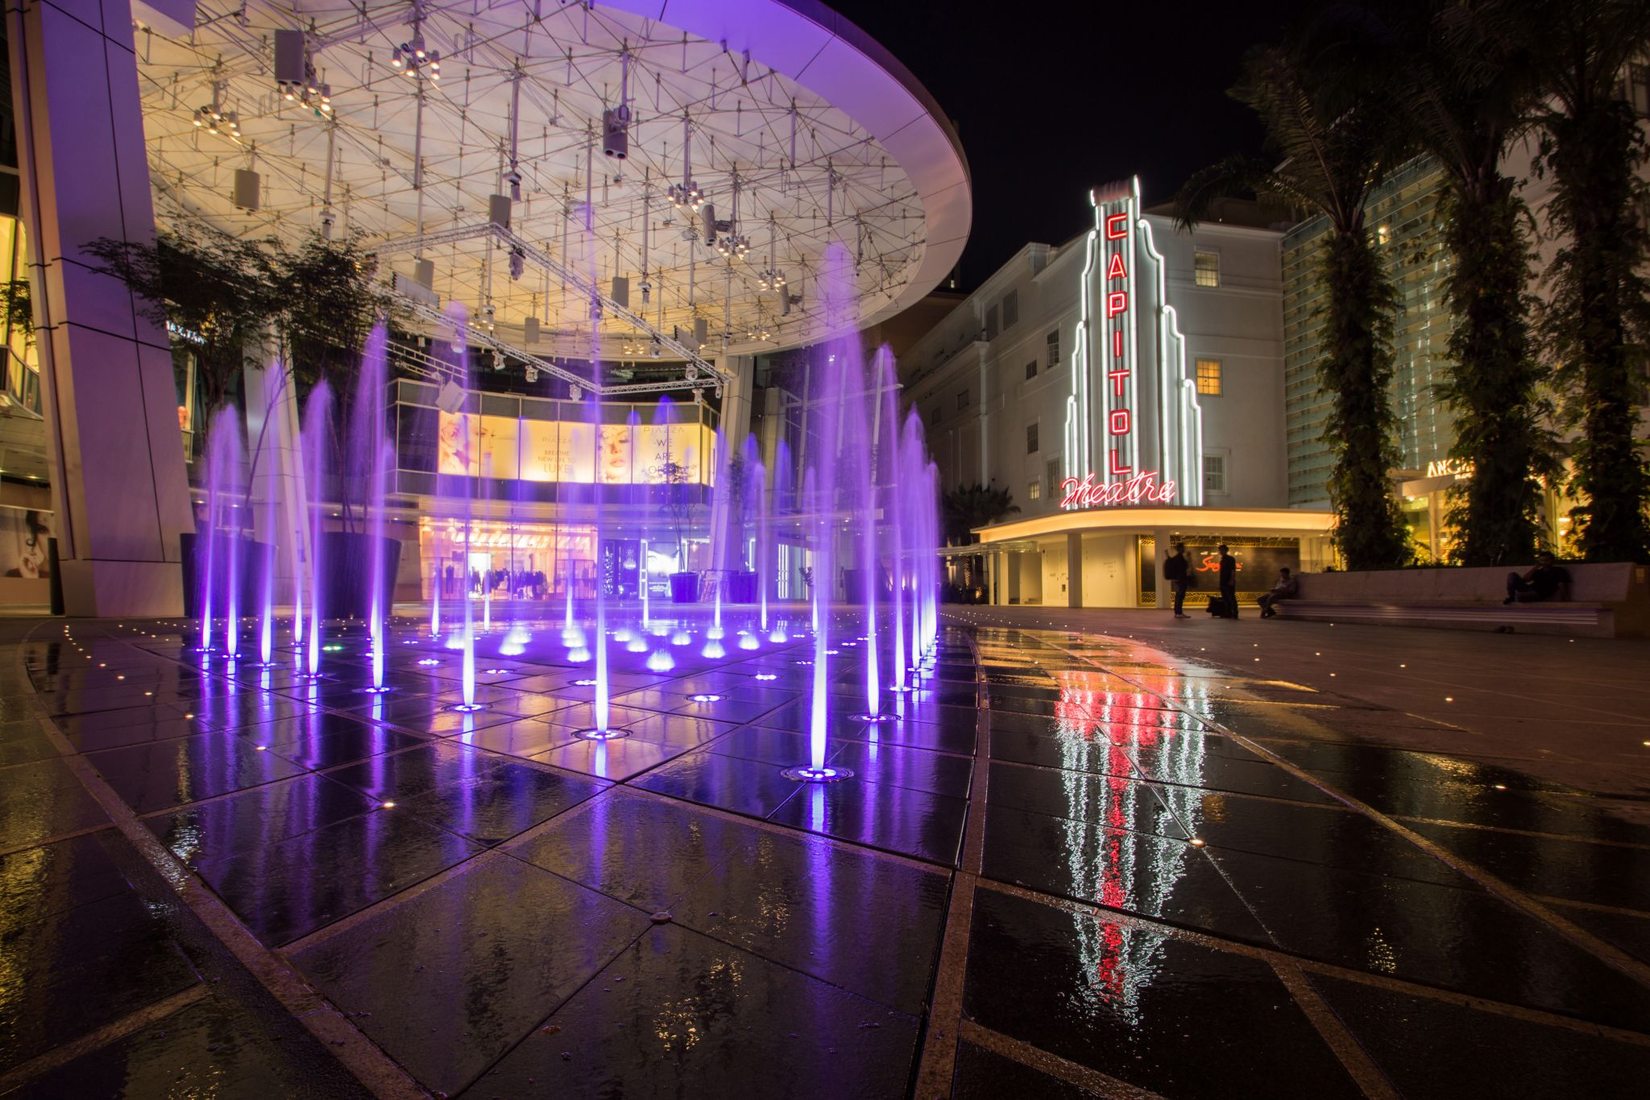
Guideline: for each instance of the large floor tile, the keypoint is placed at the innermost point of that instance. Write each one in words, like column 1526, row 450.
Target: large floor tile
column 289, row 889
column 451, row 979
column 1419, row 1043
column 1176, row 1018
column 787, row 896
column 690, row 1009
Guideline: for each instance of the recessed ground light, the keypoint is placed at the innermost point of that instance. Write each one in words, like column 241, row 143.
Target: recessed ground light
column 261, row 748
column 387, row 805
column 429, row 662
column 705, row 697
column 587, row 682
column 775, row 676
column 1500, row 786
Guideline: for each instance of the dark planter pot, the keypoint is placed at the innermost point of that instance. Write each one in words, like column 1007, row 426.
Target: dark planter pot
column 250, row 557
column 684, row 587
column 346, row 573
column 743, row 587
column 856, row 581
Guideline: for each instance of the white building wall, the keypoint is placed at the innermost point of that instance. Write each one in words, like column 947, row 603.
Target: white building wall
column 1239, row 323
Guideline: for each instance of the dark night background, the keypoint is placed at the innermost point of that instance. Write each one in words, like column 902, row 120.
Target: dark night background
column 1050, row 99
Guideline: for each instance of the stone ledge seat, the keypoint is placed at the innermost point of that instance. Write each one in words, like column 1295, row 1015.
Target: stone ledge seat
column 1607, row 600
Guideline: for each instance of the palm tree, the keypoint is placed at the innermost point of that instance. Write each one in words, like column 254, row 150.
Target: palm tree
column 1333, row 140
column 1597, row 321
column 1467, row 84
column 972, row 506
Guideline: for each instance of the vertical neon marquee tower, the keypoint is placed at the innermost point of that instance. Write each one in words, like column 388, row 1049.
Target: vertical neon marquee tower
column 1134, row 432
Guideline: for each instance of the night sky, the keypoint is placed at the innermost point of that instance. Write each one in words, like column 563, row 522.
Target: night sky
column 1050, row 99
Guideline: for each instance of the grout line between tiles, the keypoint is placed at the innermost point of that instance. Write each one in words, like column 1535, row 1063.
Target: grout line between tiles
column 936, row 1065
column 129, row 1024
column 364, row 1059
column 1341, row 1042
column 1072, row 1073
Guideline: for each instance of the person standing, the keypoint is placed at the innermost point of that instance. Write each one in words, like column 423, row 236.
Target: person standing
column 1228, row 583
column 1175, row 570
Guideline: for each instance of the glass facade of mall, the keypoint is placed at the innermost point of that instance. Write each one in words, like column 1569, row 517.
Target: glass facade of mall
column 26, row 519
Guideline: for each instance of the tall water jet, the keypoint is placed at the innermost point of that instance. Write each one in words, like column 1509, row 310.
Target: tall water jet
column 455, row 485
column 781, row 503
column 600, row 651
column 834, row 380
column 208, row 549
column 224, row 469
column 930, row 588
column 317, row 432
column 870, row 464
column 759, row 490
column 372, row 457
column 266, row 578
column 599, row 730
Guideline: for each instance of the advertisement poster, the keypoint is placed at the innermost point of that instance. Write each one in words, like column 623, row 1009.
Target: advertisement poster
column 23, row 535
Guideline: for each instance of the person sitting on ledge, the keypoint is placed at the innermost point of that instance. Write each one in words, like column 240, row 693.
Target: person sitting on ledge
column 1287, row 588
column 1546, row 580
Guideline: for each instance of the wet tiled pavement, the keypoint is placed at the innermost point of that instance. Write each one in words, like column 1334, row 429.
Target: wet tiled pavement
column 1074, row 865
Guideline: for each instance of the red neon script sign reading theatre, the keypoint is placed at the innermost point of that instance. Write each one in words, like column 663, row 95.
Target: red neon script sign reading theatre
column 1139, row 489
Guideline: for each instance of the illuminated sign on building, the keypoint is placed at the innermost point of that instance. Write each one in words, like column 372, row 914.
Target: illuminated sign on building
column 1457, row 468
column 1129, row 373
column 1139, row 489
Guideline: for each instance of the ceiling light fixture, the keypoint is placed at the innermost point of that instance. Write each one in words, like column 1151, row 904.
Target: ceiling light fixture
column 686, row 195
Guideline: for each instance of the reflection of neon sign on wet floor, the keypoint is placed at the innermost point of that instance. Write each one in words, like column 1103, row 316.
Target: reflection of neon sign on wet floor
column 1118, row 958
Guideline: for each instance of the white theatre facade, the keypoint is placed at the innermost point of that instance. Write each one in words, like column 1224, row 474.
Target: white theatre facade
column 1126, row 388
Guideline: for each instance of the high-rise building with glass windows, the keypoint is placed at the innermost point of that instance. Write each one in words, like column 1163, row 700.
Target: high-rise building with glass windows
column 1404, row 217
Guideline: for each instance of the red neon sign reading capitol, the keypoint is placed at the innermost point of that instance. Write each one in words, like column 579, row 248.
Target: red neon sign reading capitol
column 1130, row 486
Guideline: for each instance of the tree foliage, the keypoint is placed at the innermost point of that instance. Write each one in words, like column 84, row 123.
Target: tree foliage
column 219, row 291
column 225, row 295
column 1467, row 86
column 1597, row 318
column 329, row 302
column 1332, row 139
column 971, row 506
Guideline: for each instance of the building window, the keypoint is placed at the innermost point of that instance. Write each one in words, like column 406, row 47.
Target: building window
column 1638, row 88
column 1034, row 491
column 1206, row 268
column 1051, row 470
column 1053, row 348
column 1031, row 438
column 1208, row 377
column 962, row 400
column 1214, row 473
column 1011, row 309
column 991, row 323
column 1031, row 370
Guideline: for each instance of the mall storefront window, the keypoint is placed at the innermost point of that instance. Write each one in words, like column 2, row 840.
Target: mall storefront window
column 506, row 489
